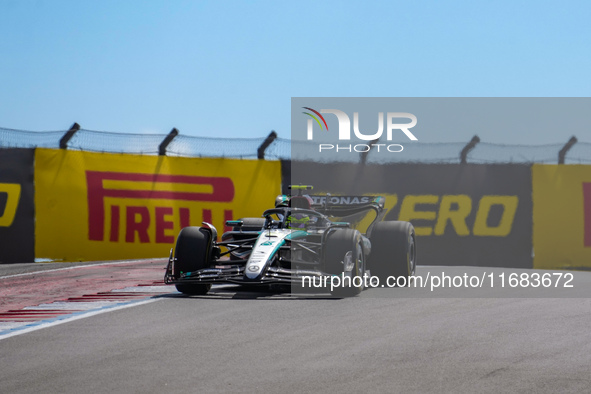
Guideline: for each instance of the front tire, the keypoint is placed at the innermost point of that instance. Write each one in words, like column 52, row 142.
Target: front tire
column 393, row 251
column 192, row 253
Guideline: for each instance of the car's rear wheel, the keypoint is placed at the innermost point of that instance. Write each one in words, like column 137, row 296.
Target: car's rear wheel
column 192, row 253
column 344, row 257
column 393, row 252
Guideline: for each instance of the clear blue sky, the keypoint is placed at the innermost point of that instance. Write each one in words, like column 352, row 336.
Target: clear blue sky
column 229, row 68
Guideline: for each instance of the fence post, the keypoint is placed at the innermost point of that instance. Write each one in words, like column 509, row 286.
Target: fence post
column 166, row 141
column 261, row 150
column 562, row 154
column 68, row 136
column 363, row 155
column 464, row 153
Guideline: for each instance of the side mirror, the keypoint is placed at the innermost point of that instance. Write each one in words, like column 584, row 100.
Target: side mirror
column 270, row 223
column 234, row 223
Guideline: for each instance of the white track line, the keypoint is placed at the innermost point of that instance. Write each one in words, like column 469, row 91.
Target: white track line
column 29, row 327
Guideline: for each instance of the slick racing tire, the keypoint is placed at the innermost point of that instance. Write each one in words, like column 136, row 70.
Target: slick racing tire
column 251, row 224
column 393, row 251
column 192, row 252
column 343, row 247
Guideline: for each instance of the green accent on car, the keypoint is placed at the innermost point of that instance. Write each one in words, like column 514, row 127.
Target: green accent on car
column 341, row 224
column 293, row 222
column 295, row 235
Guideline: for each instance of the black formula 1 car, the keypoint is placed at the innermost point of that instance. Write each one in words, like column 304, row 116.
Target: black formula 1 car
column 298, row 239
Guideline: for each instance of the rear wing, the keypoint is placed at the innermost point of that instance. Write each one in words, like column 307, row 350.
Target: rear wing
column 346, row 205
column 323, row 200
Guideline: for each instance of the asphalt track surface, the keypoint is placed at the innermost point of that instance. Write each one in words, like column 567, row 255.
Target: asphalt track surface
column 241, row 340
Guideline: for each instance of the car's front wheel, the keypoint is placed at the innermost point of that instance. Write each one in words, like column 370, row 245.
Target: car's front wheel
column 192, row 253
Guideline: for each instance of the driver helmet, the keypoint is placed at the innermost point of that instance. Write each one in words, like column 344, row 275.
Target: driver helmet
column 281, row 201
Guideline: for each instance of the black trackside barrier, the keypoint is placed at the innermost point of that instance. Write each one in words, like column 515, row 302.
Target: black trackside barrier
column 17, row 209
column 285, row 176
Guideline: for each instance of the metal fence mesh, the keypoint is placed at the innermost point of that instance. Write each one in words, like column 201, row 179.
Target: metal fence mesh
column 498, row 153
column 102, row 141
column 10, row 138
column 419, row 152
column 580, row 153
column 245, row 148
column 285, row 149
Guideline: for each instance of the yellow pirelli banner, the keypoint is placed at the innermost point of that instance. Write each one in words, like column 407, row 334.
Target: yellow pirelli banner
column 102, row 206
column 561, row 216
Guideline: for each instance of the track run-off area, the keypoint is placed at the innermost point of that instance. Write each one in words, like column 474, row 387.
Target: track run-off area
column 115, row 327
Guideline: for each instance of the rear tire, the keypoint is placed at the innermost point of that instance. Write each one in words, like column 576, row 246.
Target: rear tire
column 393, row 251
column 192, row 253
column 344, row 246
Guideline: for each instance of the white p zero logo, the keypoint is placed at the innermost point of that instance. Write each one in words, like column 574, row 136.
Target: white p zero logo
column 345, row 125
